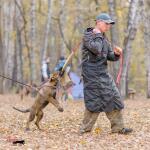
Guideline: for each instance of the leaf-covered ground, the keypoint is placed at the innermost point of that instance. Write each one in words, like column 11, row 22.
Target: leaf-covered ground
column 61, row 129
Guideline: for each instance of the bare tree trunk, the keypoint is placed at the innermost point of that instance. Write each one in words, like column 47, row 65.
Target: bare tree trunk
column 33, row 41
column 21, row 30
column 1, row 52
column 80, row 30
column 47, row 30
column 114, row 36
column 14, row 73
column 8, row 42
column 79, row 18
column 19, row 55
column 146, row 43
column 62, row 25
column 133, row 18
column 18, row 61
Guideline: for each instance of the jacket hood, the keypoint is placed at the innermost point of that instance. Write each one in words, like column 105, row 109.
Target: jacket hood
column 88, row 33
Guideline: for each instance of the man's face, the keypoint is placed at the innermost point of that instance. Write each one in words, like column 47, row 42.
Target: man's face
column 103, row 26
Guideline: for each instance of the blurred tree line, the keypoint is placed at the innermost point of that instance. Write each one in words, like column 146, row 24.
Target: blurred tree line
column 31, row 30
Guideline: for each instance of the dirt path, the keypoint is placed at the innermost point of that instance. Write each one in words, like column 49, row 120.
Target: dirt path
column 61, row 129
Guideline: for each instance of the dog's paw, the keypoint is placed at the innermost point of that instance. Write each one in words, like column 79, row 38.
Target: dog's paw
column 60, row 109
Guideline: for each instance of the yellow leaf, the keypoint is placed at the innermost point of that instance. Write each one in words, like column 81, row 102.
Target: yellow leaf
column 98, row 130
column 83, row 142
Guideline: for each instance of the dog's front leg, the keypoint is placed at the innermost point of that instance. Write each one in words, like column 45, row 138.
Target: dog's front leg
column 56, row 104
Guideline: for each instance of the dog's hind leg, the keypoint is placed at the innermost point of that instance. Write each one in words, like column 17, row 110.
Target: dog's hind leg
column 39, row 117
column 31, row 118
column 56, row 104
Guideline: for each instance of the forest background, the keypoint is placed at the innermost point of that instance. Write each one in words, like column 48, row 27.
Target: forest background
column 31, row 30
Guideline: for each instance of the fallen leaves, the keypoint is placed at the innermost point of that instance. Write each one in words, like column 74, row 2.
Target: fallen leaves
column 60, row 130
column 97, row 130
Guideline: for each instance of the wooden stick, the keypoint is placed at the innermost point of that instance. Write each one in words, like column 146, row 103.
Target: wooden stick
column 71, row 56
column 68, row 60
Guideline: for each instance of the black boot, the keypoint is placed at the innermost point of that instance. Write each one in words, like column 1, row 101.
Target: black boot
column 125, row 131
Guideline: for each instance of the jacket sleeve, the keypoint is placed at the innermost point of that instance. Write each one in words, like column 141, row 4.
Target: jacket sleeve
column 93, row 43
column 111, row 55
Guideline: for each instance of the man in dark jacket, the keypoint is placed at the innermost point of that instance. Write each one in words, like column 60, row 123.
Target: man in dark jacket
column 100, row 91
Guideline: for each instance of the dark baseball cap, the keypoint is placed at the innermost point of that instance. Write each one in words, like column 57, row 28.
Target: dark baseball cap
column 105, row 18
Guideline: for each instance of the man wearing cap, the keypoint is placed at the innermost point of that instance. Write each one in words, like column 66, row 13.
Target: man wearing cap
column 100, row 91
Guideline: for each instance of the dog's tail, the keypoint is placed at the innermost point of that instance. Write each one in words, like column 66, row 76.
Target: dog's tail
column 21, row 110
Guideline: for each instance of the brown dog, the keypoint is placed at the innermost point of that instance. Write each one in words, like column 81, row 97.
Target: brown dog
column 46, row 95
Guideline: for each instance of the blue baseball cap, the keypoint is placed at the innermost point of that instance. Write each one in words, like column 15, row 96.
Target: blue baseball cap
column 105, row 18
